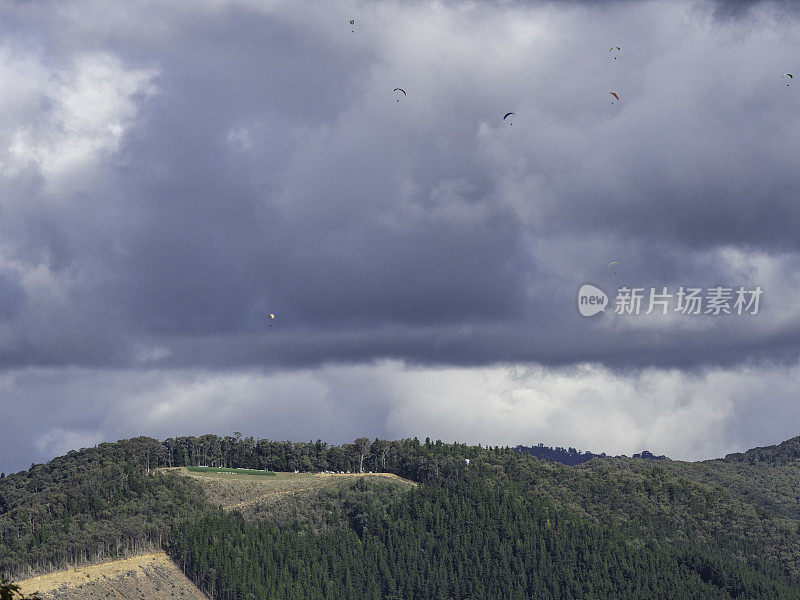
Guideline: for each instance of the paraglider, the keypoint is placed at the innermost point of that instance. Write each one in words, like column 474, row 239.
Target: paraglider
column 352, row 22
column 789, row 75
column 270, row 317
column 511, row 114
column 400, row 90
column 617, row 48
column 615, row 96
column 614, row 263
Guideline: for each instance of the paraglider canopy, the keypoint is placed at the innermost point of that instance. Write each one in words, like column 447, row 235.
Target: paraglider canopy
column 789, row 75
column 614, row 94
column 270, row 316
column 511, row 114
column 400, row 90
column 617, row 48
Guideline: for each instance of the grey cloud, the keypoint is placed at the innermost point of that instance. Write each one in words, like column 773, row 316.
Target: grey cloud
column 687, row 416
column 272, row 172
column 246, row 159
column 12, row 295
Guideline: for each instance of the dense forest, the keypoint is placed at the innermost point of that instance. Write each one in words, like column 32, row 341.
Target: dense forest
column 463, row 540
column 741, row 515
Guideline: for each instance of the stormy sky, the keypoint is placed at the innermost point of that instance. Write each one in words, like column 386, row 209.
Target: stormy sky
column 173, row 172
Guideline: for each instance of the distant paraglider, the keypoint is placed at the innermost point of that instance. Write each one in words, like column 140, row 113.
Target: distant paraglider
column 511, row 114
column 615, row 96
column 353, row 22
column 400, row 90
column 789, row 75
column 270, row 317
column 614, row 263
column 617, row 48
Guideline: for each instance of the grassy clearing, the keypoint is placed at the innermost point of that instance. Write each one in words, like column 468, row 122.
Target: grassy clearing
column 233, row 471
column 239, row 490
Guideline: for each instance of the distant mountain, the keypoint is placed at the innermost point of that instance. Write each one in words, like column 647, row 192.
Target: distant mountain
column 573, row 457
column 569, row 456
column 649, row 455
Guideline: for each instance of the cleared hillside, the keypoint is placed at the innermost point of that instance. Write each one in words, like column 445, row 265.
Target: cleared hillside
column 240, row 491
column 150, row 576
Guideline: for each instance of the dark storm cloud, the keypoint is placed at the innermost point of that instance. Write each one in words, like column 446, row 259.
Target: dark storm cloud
column 263, row 165
column 13, row 295
column 739, row 9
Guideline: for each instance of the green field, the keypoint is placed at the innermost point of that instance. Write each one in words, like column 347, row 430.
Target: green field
column 223, row 470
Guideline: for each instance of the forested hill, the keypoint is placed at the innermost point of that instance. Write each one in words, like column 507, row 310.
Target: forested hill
column 726, row 529
column 781, row 454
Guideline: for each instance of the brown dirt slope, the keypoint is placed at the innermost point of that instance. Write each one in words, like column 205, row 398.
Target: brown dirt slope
column 145, row 577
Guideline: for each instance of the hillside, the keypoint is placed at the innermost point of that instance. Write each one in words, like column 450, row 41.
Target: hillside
column 733, row 523
column 462, row 540
column 777, row 455
column 151, row 576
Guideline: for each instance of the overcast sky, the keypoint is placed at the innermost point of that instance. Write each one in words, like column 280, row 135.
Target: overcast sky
column 173, row 172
